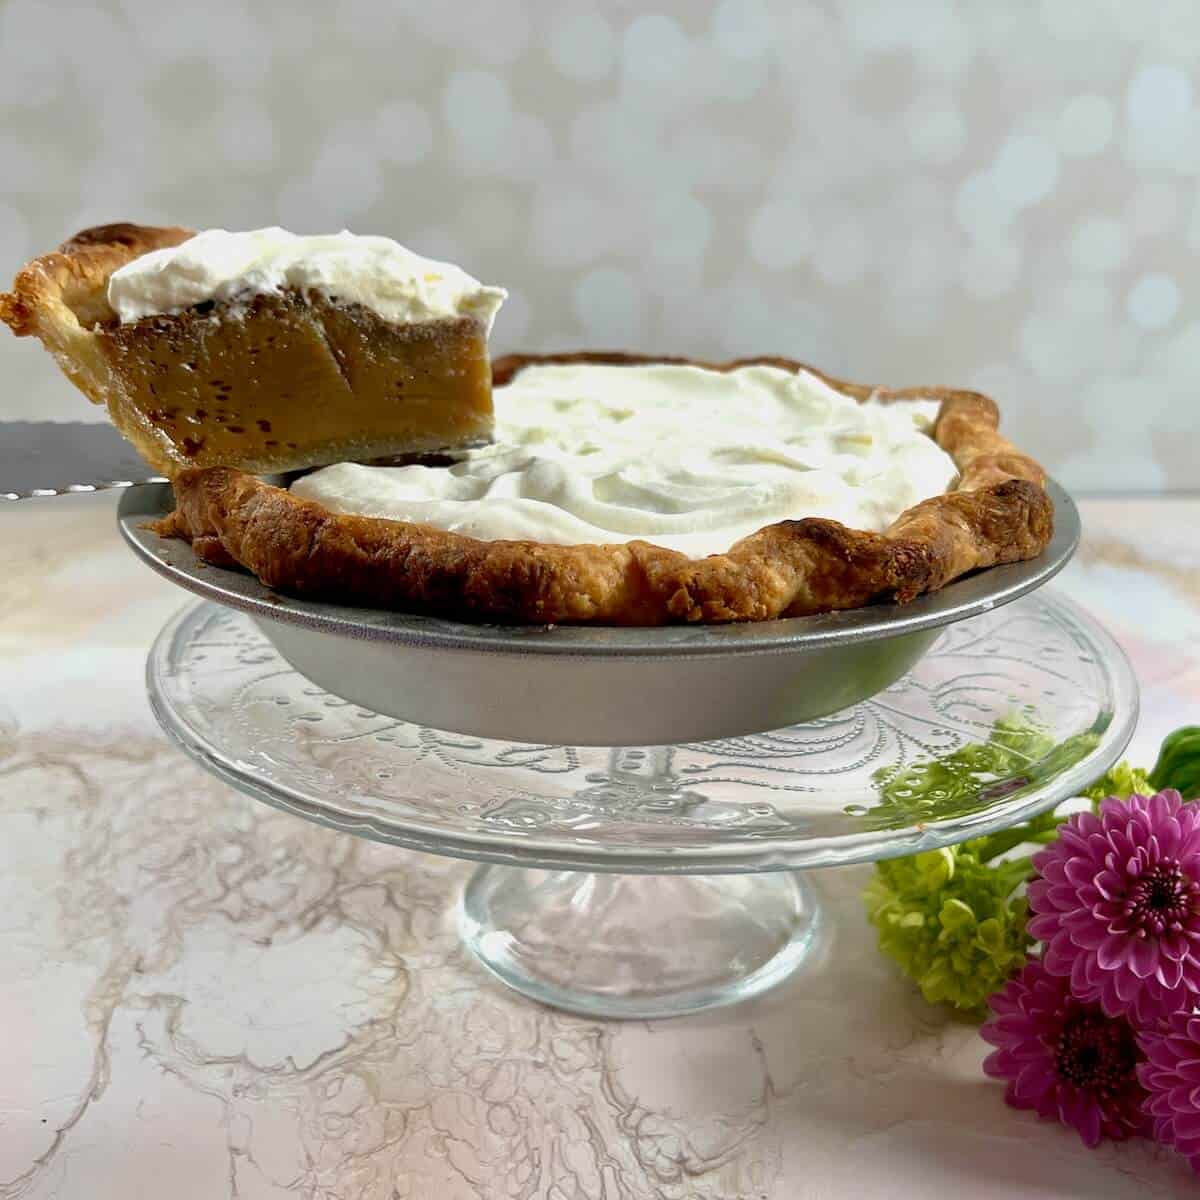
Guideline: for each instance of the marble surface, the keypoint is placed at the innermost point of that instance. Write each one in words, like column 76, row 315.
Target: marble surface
column 202, row 990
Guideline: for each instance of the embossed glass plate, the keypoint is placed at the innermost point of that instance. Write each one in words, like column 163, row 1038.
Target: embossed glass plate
column 1039, row 691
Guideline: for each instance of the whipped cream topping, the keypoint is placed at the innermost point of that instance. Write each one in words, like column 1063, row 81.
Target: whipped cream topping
column 684, row 457
column 373, row 271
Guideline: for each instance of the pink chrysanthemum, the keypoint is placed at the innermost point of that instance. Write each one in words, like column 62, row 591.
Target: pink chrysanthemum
column 1064, row 1059
column 1118, row 906
column 1171, row 1076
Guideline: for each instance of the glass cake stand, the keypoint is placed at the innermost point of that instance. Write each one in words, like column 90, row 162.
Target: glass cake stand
column 648, row 882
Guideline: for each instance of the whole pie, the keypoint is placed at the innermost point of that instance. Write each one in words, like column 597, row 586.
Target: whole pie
column 615, row 489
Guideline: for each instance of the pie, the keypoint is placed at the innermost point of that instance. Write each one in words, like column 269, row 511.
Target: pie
column 254, row 351
column 616, row 489
column 996, row 510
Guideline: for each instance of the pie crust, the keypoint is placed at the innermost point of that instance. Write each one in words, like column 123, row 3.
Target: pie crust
column 275, row 383
column 997, row 512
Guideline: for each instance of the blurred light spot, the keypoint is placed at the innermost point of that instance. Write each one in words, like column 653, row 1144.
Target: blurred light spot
column 1055, row 345
column 1155, row 207
column 919, row 199
column 841, row 253
column 779, row 236
column 1099, row 244
column 654, row 49
column 709, row 158
column 488, row 217
column 917, row 265
column 1085, row 125
column 937, row 36
column 482, row 29
column 581, row 44
column 1159, row 110
column 937, row 134
column 980, row 208
column 1088, row 297
column 1156, row 94
column 991, row 268
column 914, row 316
column 1071, row 20
column 611, row 138
column 342, row 182
column 403, row 132
column 530, row 146
column 246, row 135
column 714, row 74
column 478, row 109
column 1153, row 301
column 1182, row 353
column 682, row 230
column 609, row 306
column 574, row 220
column 742, row 28
column 1025, row 170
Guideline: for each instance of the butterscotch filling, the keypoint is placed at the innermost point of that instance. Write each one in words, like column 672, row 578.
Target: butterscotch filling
column 283, row 381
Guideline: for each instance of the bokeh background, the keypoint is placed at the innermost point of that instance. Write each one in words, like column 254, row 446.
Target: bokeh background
column 997, row 195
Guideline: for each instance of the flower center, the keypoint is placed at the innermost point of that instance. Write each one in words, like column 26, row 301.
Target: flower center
column 1161, row 899
column 1096, row 1054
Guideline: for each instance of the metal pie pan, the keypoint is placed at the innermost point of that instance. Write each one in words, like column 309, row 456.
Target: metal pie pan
column 595, row 686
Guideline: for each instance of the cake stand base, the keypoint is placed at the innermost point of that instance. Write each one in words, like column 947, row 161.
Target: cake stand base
column 637, row 946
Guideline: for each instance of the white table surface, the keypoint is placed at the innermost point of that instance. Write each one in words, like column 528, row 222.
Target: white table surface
column 202, row 997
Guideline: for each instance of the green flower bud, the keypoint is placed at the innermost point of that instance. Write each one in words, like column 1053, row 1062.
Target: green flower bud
column 951, row 921
column 1122, row 781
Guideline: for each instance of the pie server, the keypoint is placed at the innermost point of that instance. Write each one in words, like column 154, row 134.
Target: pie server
column 51, row 458
column 48, row 458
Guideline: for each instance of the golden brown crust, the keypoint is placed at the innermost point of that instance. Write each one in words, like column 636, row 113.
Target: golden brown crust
column 62, row 297
column 75, row 277
column 998, row 512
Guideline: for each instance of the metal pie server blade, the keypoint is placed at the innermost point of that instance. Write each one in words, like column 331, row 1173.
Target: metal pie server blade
column 50, row 458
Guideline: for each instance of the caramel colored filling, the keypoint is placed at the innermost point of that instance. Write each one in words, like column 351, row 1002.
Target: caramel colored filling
column 282, row 382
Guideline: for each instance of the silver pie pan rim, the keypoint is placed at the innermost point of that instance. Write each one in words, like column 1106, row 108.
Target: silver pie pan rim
column 237, row 589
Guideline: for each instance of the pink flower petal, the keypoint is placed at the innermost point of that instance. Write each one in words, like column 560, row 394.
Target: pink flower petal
column 1142, row 957
column 1079, row 872
column 1085, row 931
column 1170, row 971
column 1113, row 952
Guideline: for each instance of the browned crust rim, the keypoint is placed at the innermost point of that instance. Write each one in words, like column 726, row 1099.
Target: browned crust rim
column 76, row 274
column 998, row 512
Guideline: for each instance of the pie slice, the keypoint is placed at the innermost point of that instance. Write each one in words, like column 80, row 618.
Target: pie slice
column 264, row 351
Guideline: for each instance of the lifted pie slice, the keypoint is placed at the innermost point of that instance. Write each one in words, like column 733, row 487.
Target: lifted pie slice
column 263, row 350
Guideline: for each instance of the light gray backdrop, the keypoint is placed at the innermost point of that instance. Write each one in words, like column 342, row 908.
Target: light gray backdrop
column 998, row 195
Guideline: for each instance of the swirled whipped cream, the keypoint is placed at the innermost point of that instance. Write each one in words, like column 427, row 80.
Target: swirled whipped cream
column 373, row 271
column 680, row 456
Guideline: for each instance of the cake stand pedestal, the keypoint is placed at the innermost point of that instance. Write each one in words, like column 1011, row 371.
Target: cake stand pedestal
column 654, row 881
